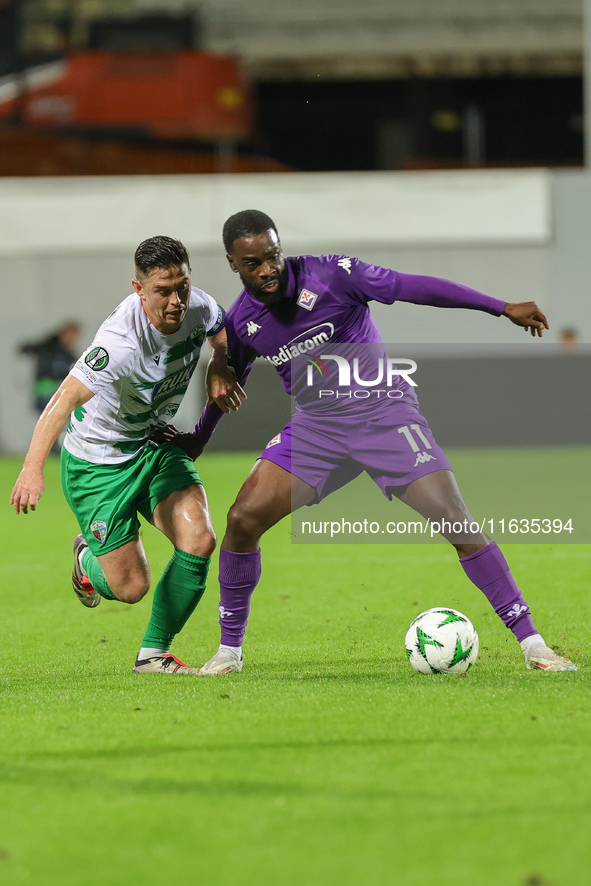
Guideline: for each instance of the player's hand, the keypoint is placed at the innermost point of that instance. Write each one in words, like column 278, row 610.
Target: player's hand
column 27, row 491
column 528, row 315
column 222, row 388
column 185, row 441
column 165, row 434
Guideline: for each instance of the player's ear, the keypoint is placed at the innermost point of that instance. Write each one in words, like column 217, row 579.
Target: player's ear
column 137, row 286
column 231, row 262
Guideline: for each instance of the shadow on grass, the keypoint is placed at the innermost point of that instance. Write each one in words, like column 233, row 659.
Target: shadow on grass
column 135, row 755
column 83, row 782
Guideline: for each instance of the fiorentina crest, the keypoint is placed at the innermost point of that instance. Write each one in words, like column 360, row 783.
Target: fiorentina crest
column 99, row 530
column 307, row 299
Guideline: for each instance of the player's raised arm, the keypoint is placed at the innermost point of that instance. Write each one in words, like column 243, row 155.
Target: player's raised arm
column 528, row 315
column 30, row 484
column 222, row 386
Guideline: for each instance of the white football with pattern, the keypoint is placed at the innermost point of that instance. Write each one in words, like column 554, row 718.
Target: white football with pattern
column 441, row 641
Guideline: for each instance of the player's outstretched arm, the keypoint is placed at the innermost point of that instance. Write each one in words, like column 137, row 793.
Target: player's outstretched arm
column 30, row 484
column 222, row 386
column 528, row 315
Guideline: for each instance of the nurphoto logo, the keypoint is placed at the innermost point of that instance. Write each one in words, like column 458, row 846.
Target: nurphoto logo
column 382, row 378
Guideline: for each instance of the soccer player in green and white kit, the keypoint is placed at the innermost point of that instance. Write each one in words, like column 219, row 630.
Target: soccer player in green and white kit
column 125, row 386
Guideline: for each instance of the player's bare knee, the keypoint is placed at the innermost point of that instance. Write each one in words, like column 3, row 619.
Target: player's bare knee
column 207, row 544
column 131, row 595
column 132, row 589
column 201, row 544
column 244, row 522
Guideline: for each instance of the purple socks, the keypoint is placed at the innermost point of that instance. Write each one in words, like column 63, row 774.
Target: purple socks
column 239, row 576
column 487, row 569
column 490, row 572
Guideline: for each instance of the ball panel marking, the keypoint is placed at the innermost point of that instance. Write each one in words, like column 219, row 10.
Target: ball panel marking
column 441, row 641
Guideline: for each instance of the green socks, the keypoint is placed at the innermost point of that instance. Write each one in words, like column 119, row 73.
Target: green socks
column 178, row 592
column 92, row 568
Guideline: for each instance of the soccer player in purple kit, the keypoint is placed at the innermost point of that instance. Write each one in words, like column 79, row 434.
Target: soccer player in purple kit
column 305, row 305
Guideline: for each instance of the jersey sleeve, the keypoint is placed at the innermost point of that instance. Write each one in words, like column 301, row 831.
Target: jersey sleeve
column 440, row 293
column 374, row 283
column 109, row 358
column 240, row 360
column 365, row 282
column 217, row 318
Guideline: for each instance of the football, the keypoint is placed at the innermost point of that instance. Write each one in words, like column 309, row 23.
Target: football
column 441, row 641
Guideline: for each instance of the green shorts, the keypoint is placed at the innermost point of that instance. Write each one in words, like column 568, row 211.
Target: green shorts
column 106, row 499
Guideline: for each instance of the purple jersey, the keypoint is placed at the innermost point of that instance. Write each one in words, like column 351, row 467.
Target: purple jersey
column 326, row 307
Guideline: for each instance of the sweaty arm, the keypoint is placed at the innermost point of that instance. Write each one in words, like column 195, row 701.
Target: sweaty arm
column 30, row 485
column 224, row 395
column 222, row 386
column 240, row 360
column 224, row 389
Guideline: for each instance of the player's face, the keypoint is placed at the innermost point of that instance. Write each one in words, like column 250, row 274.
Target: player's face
column 165, row 296
column 260, row 263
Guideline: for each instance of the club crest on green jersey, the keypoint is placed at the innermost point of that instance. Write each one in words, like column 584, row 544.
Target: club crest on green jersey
column 99, row 530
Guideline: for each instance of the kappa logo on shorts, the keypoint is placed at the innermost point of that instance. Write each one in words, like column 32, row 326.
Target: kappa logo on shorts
column 97, row 359
column 307, row 299
column 423, row 457
column 276, row 439
column 99, row 530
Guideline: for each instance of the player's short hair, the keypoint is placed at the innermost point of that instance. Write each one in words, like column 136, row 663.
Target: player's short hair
column 157, row 253
column 248, row 223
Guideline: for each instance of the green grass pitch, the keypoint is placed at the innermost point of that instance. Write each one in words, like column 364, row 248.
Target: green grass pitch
column 328, row 761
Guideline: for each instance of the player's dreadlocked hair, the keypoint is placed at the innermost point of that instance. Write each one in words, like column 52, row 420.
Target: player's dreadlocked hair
column 159, row 252
column 248, row 223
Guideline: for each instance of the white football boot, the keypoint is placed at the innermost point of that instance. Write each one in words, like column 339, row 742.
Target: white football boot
column 542, row 658
column 225, row 661
column 163, row 664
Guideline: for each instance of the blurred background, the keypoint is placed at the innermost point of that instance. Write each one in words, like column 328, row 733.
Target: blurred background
column 443, row 137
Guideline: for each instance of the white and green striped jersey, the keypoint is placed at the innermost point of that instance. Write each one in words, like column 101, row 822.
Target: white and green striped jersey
column 138, row 377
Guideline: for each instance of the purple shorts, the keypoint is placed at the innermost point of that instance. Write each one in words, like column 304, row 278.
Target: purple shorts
column 326, row 452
